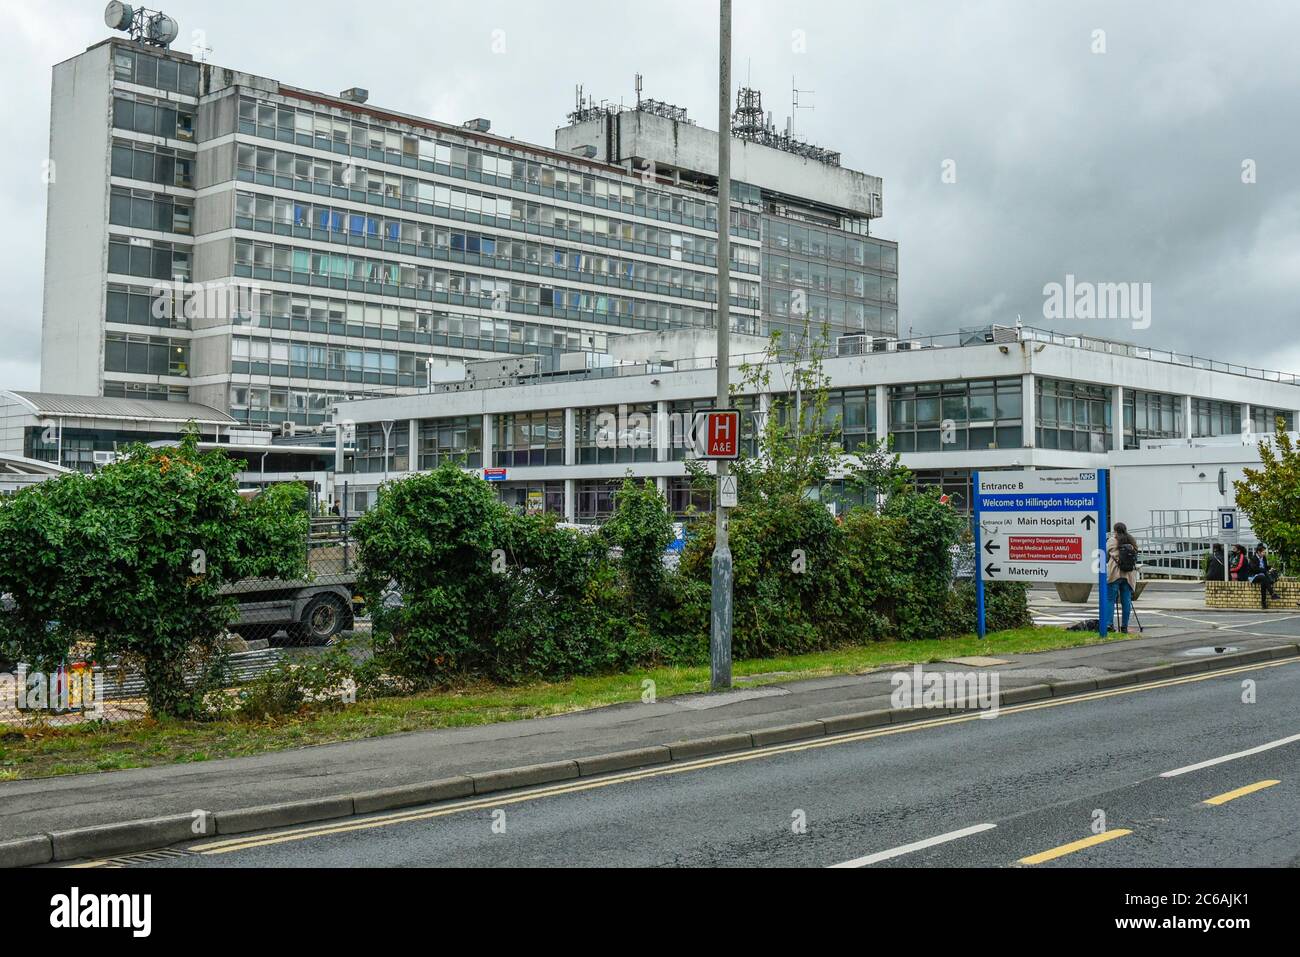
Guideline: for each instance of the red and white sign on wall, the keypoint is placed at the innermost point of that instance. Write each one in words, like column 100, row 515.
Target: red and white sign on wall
column 718, row 437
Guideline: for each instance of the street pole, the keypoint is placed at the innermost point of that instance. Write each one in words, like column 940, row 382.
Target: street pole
column 720, row 628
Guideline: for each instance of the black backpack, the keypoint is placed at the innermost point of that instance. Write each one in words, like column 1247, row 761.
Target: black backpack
column 1127, row 557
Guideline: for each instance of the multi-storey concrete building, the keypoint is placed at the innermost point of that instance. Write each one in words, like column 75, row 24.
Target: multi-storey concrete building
column 264, row 250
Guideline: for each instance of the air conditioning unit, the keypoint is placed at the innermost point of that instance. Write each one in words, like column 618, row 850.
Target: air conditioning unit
column 854, row 345
column 288, row 429
column 104, row 458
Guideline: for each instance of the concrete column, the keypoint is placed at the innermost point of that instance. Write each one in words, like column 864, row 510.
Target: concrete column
column 662, row 431
column 488, row 437
column 413, row 447
column 570, row 437
column 1188, row 428
column 882, row 415
column 1117, row 418
column 1246, row 415
column 1029, row 409
column 570, row 500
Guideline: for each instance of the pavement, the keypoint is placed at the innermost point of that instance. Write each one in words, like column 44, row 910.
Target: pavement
column 319, row 773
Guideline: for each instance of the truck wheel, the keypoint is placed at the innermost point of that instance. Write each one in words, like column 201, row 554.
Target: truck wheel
column 323, row 618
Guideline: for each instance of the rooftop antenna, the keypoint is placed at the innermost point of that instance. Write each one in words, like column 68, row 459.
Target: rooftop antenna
column 638, row 92
column 795, row 105
column 145, row 26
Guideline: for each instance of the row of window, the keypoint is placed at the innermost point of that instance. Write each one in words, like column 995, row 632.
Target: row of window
column 134, row 66
column 844, row 316
column 306, row 357
column 826, row 245
column 393, row 235
column 353, row 317
column 1265, row 421
column 148, row 259
column 1073, row 416
column 152, row 164
column 266, row 260
column 824, row 278
column 142, row 209
column 951, row 416
column 141, row 114
column 147, row 355
column 1151, row 415
column 288, row 403
column 286, row 170
column 151, row 391
column 357, row 138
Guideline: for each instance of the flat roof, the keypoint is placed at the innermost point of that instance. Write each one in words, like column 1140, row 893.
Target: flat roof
column 105, row 407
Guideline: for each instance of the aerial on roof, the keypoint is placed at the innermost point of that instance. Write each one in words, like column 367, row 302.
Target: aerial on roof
column 94, row 406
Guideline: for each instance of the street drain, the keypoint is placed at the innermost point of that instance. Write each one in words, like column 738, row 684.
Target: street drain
column 1208, row 651
column 148, row 857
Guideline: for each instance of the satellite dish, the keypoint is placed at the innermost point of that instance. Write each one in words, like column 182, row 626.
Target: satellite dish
column 163, row 30
column 118, row 15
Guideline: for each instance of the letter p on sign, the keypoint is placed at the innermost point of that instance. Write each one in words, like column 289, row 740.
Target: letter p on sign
column 722, row 434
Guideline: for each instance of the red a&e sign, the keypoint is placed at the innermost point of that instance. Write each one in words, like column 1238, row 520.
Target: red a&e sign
column 722, row 434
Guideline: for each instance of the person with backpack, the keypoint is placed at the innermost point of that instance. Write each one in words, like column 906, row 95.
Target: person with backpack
column 1121, row 574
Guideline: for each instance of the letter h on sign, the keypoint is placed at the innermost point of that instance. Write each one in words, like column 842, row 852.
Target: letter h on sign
column 722, row 434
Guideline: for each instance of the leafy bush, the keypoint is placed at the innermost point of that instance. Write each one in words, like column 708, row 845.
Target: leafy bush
column 1006, row 606
column 931, row 528
column 1270, row 497
column 459, row 585
column 133, row 560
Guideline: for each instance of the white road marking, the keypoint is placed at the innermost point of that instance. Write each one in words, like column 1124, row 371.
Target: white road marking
column 917, row 846
column 1262, row 621
column 1230, row 757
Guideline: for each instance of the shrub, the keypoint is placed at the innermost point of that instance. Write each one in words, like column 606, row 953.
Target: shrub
column 932, row 528
column 133, row 560
column 461, row 586
column 1006, row 606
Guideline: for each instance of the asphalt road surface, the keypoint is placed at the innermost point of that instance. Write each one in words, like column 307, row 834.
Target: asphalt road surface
column 1119, row 778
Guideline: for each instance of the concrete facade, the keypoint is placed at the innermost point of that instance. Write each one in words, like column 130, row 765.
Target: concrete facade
column 893, row 384
column 362, row 252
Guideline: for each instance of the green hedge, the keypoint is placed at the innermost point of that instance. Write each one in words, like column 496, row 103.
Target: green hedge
column 486, row 592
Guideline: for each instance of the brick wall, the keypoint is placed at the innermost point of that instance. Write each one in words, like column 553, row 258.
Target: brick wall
column 1245, row 597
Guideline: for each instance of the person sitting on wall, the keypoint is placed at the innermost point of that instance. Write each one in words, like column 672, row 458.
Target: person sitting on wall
column 1238, row 563
column 1214, row 569
column 1263, row 576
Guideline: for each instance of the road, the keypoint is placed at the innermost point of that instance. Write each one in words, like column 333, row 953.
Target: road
column 1111, row 779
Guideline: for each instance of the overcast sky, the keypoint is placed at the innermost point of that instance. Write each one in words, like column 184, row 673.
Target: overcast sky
column 1117, row 166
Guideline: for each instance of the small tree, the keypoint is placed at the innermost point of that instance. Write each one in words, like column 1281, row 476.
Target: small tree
column 134, row 558
column 1270, row 497
column 641, row 528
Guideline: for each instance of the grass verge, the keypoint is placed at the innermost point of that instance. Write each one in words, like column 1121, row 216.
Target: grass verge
column 46, row 752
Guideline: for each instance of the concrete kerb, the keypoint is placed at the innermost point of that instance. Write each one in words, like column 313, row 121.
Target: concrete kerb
column 27, row 851
column 105, row 839
column 136, row 836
